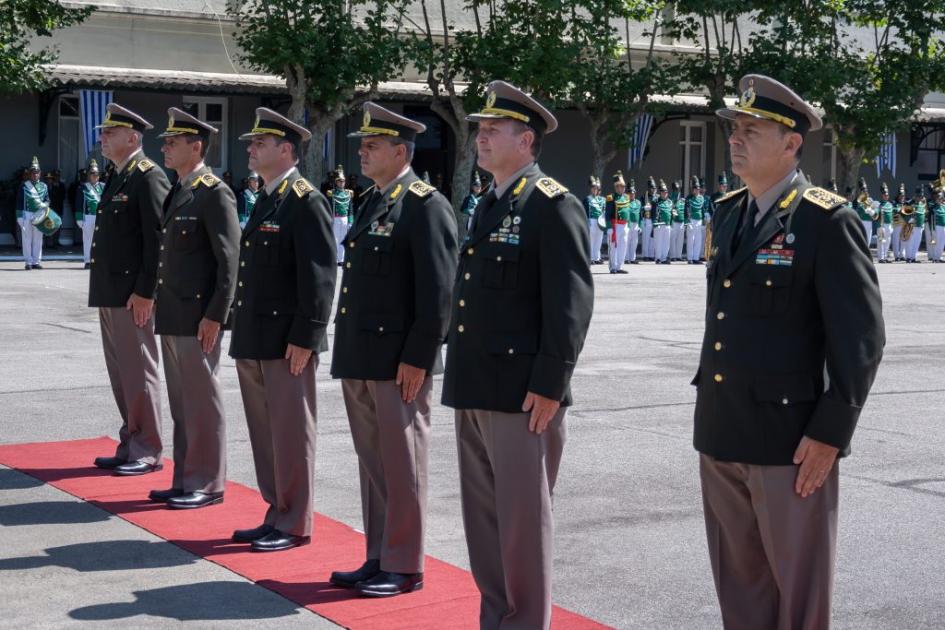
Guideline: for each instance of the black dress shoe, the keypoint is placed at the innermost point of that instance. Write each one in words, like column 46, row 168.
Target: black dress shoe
column 349, row 579
column 137, row 468
column 27, row 267
column 163, row 495
column 249, row 535
column 195, row 500
column 109, row 463
column 37, row 266
column 386, row 584
column 277, row 541
column 621, row 271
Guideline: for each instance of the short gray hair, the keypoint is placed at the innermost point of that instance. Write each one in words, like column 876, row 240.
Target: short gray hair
column 409, row 144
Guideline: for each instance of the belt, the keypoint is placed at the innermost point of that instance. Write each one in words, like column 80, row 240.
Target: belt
column 619, row 222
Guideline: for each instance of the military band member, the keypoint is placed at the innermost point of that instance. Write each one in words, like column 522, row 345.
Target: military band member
column 122, row 282
column 472, row 199
column 677, row 236
column 508, row 376
column 884, row 233
column 284, row 291
column 912, row 223
column 899, row 247
column 648, row 209
column 936, row 242
column 35, row 201
column 90, row 194
column 595, row 206
column 196, row 280
column 792, row 296
column 392, row 317
column 863, row 206
column 633, row 224
column 617, row 213
column 927, row 228
column 247, row 198
column 696, row 204
column 662, row 219
column 342, row 210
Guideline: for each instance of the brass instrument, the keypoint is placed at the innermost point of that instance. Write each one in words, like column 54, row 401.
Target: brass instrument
column 867, row 203
column 907, row 226
column 707, row 240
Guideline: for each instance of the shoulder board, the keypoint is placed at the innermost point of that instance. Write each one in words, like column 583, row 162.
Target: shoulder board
column 731, row 194
column 208, row 179
column 330, row 193
column 367, row 191
column 145, row 165
column 302, row 187
column 550, row 187
column 421, row 188
column 824, row 198
column 610, row 197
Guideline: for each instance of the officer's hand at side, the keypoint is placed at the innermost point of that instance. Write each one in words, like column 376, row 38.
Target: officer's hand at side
column 141, row 309
column 207, row 333
column 298, row 358
column 543, row 410
column 410, row 379
column 815, row 459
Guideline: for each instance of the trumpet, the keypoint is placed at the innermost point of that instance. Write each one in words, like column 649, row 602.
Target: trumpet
column 867, row 203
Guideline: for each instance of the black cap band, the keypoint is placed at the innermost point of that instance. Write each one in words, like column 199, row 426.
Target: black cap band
column 769, row 105
column 516, row 111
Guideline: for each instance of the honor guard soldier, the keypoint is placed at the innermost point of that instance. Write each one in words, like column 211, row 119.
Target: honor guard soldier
column 662, row 218
column 677, row 235
column 392, row 317
column 884, row 232
column 90, row 195
column 522, row 304
column 648, row 209
column 472, row 199
column 898, row 221
column 595, row 205
column 35, row 196
column 863, row 206
column 912, row 225
column 617, row 214
column 196, row 280
column 695, row 208
column 122, row 282
column 936, row 242
column 342, row 211
column 633, row 224
column 284, row 291
column 247, row 198
column 794, row 336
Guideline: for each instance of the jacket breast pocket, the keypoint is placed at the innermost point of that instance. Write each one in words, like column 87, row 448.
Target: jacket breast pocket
column 500, row 268
column 275, row 308
column 381, row 323
column 770, row 289
column 512, row 344
column 267, row 249
column 184, row 235
column 376, row 256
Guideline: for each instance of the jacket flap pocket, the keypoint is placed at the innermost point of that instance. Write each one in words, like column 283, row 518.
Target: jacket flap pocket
column 379, row 244
column 275, row 307
column 771, row 276
column 785, row 390
column 381, row 322
column 512, row 343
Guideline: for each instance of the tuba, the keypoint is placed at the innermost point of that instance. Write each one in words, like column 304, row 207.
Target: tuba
column 907, row 225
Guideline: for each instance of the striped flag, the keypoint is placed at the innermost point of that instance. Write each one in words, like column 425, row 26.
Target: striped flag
column 641, row 135
column 887, row 155
column 92, row 105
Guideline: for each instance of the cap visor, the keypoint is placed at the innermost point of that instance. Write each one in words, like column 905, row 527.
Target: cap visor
column 478, row 117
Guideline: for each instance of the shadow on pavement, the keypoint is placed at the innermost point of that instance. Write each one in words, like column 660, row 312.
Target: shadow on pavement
column 50, row 513
column 113, row 555
column 13, row 480
column 204, row 601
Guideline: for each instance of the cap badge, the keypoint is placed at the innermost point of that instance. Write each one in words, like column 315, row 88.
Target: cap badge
column 490, row 99
column 748, row 96
column 366, row 121
column 170, row 121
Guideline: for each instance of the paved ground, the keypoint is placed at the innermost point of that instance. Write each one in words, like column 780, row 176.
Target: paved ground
column 631, row 548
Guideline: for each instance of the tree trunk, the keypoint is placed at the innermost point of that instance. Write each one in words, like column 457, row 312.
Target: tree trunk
column 464, row 160
column 602, row 150
column 849, row 160
column 313, row 164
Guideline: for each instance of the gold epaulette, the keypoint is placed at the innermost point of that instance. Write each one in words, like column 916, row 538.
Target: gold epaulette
column 731, row 194
column 207, row 179
column 329, row 193
column 824, row 198
column 550, row 187
column 610, row 197
column 145, row 165
column 420, row 188
column 302, row 187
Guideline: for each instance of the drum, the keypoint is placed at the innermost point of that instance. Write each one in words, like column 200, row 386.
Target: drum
column 48, row 222
column 602, row 223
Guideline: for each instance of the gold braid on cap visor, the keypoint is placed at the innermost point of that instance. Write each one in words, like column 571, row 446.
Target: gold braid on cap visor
column 498, row 111
column 381, row 131
column 784, row 120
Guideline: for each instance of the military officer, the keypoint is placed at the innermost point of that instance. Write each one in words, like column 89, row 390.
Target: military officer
column 521, row 307
column 936, row 241
column 247, row 198
column 695, row 230
column 863, row 206
column 677, row 234
column 791, row 264
column 898, row 221
column 662, row 218
column 342, row 211
column 595, row 205
column 472, row 199
column 884, row 234
column 617, row 213
column 633, row 224
column 648, row 209
column 284, row 291
column 122, row 282
column 392, row 317
column 90, row 194
column 196, row 281
column 35, row 201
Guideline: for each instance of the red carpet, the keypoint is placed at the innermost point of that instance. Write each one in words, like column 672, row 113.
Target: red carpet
column 449, row 598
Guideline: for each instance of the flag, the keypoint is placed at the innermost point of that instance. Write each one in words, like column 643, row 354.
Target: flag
column 887, row 155
column 641, row 134
column 92, row 105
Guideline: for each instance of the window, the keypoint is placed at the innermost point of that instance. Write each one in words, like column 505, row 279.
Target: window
column 692, row 150
column 211, row 110
column 830, row 153
column 930, row 156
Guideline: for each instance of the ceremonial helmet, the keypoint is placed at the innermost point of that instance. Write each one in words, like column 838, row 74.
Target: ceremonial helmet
column 618, row 178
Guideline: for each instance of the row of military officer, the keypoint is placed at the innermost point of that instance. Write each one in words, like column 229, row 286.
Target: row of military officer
column 406, row 284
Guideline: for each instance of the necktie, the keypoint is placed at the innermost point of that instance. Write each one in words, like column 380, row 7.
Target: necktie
column 482, row 208
column 170, row 197
column 747, row 225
